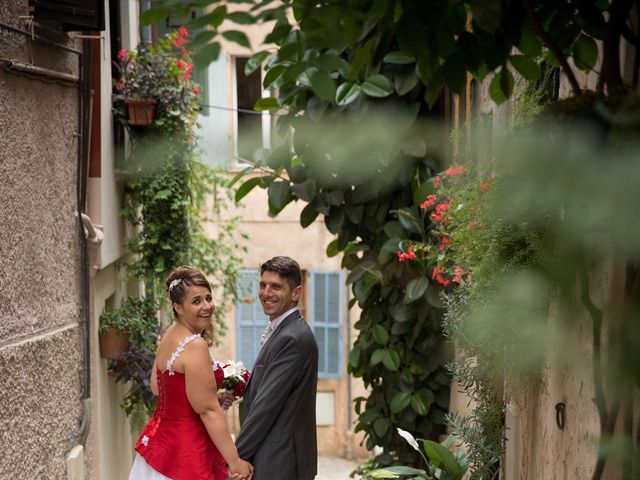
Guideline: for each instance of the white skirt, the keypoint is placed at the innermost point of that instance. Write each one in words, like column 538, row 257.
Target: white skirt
column 141, row 470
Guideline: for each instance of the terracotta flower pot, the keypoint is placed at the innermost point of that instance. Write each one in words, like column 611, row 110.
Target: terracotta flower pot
column 142, row 111
column 113, row 344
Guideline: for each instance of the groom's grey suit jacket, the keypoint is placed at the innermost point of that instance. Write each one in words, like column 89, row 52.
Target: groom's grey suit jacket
column 278, row 434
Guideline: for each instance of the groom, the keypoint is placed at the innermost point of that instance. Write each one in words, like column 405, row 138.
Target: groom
column 278, row 434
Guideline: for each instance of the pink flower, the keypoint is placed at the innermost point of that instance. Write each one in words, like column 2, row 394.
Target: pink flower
column 183, row 32
column 454, row 170
column 431, row 199
column 436, row 181
column 120, row 85
column 123, row 53
column 457, row 275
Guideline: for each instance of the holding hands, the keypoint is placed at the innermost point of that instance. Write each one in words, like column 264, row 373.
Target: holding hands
column 240, row 470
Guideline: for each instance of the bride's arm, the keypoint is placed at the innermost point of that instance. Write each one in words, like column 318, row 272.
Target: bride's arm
column 153, row 380
column 201, row 385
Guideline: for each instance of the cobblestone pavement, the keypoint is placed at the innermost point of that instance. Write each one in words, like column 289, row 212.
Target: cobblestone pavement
column 334, row 468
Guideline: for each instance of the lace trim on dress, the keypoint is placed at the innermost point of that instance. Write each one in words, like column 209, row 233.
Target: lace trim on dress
column 179, row 350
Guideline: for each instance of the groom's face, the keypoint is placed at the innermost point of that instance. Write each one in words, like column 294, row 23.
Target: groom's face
column 276, row 295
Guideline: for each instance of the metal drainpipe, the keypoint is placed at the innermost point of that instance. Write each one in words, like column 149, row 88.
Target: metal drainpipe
column 84, row 125
column 81, row 189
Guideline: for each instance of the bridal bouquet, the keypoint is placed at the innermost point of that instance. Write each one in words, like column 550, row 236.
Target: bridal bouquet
column 231, row 377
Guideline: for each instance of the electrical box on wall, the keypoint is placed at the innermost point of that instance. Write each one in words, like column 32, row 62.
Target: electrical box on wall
column 70, row 15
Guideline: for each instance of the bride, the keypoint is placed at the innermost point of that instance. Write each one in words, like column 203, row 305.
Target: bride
column 187, row 436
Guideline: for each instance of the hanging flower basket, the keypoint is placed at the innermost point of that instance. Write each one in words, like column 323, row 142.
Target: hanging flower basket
column 142, row 111
column 113, row 343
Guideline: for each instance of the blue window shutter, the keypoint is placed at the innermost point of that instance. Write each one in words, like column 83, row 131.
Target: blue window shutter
column 326, row 320
column 250, row 319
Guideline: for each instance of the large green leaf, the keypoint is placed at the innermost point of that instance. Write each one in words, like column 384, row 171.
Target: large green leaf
column 382, row 473
column 400, row 401
column 442, row 457
column 381, row 426
column 526, row 67
column 272, row 75
column 306, row 190
column 207, row 55
column 501, row 86
column 416, row 289
column 399, row 58
column 377, row 86
column 347, row 93
column 419, row 404
column 376, row 357
column 585, row 52
column 391, row 359
column 238, row 37
column 380, row 334
column 323, row 85
column 153, row 15
column 410, row 219
column 246, row 187
column 267, row 104
column 255, row 61
column 308, row 215
column 242, row 18
column 279, row 193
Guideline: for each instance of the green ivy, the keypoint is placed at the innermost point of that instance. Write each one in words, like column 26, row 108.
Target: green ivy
column 167, row 190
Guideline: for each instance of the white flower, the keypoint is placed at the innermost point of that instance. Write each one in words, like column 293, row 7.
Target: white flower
column 409, row 438
column 145, row 440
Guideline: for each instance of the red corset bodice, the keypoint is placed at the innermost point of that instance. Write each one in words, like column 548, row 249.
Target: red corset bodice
column 175, row 442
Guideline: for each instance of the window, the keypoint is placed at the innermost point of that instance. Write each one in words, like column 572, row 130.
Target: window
column 250, row 319
column 324, row 293
column 326, row 311
column 71, row 15
column 252, row 128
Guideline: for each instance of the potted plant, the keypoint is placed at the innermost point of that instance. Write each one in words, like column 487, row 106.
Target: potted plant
column 133, row 321
column 155, row 80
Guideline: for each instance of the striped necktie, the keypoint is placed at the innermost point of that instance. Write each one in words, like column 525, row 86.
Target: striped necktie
column 266, row 334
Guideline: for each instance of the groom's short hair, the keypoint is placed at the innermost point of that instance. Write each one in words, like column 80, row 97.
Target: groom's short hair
column 286, row 267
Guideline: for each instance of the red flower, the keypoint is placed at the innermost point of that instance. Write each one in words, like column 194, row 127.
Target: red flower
column 123, row 53
column 444, row 241
column 410, row 255
column 436, row 272
column 454, row 170
column 183, row 32
column 218, row 373
column 431, row 199
column 239, row 388
column 196, row 91
column 485, row 185
column 179, row 63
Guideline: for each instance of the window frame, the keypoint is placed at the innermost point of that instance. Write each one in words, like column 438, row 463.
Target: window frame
column 339, row 325
column 237, row 163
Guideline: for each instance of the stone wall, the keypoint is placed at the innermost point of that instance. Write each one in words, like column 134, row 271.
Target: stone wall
column 40, row 275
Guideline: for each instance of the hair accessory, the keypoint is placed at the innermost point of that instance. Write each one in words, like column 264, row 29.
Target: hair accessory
column 174, row 283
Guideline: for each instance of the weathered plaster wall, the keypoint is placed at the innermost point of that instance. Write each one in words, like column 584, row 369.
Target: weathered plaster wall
column 40, row 335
